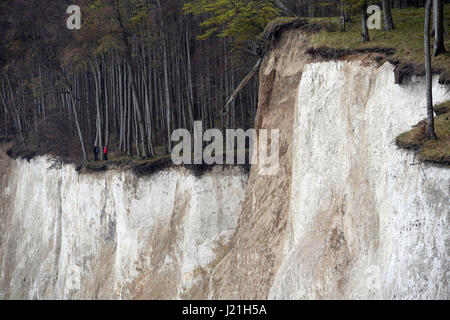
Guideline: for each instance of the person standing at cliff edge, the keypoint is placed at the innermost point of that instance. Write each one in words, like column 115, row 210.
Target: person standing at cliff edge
column 105, row 153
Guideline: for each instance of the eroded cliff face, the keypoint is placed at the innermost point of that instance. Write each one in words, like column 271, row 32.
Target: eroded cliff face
column 348, row 215
column 112, row 235
column 248, row 271
column 366, row 220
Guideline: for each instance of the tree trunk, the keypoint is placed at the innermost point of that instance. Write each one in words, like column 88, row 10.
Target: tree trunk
column 77, row 123
column 241, row 86
column 189, row 80
column 128, row 132
column 283, row 8
column 388, row 21
column 2, row 96
column 438, row 19
column 42, row 92
column 16, row 112
column 365, row 30
column 343, row 22
column 35, row 117
column 166, row 81
column 99, row 137
column 136, row 101
column 430, row 116
column 105, row 84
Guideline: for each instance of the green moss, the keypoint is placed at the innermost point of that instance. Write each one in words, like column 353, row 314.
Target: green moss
column 438, row 151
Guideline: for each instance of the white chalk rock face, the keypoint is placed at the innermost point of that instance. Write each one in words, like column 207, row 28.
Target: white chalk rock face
column 366, row 220
column 112, row 235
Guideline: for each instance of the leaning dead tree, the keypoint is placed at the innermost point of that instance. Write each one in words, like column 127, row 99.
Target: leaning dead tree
column 241, row 86
column 262, row 47
column 283, row 8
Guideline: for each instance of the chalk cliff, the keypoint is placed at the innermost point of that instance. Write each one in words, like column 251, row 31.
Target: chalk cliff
column 113, row 235
column 348, row 215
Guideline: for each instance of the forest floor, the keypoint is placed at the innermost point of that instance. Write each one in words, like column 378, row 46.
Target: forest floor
column 145, row 167
column 406, row 40
column 116, row 159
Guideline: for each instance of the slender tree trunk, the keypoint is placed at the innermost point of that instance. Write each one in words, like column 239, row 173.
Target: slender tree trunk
column 42, row 92
column 77, row 123
column 388, row 21
column 343, row 21
column 146, row 92
column 431, row 134
column 16, row 112
column 99, row 138
column 189, row 80
column 438, row 22
column 105, row 84
column 121, row 108
column 136, row 134
column 365, row 30
column 128, row 133
column 3, row 97
column 136, row 101
column 166, row 81
column 35, row 117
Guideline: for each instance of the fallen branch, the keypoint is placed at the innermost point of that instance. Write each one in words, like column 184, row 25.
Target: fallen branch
column 283, row 8
column 233, row 97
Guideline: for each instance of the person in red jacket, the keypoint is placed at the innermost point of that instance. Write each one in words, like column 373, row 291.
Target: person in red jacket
column 105, row 153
